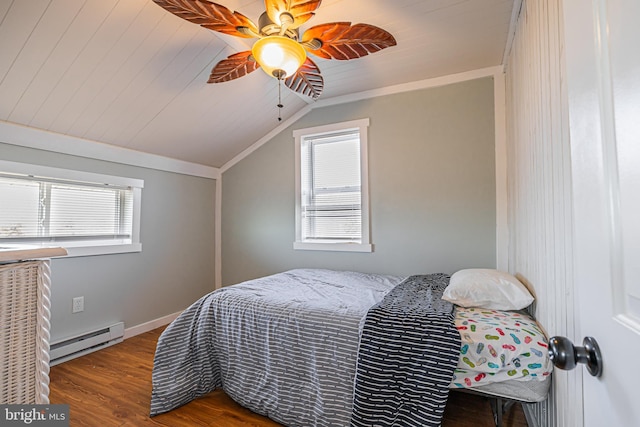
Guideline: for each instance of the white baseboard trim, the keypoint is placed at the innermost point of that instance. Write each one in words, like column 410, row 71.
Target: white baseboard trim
column 150, row 325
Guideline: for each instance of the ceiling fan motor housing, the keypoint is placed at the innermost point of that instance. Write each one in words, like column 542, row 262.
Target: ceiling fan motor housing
column 270, row 28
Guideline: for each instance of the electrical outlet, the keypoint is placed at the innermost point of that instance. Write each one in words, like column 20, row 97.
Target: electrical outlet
column 78, row 305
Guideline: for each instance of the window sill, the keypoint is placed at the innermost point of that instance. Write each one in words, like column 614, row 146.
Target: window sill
column 80, row 251
column 335, row 247
column 74, row 249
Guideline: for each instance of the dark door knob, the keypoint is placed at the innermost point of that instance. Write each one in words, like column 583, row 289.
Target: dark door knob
column 565, row 355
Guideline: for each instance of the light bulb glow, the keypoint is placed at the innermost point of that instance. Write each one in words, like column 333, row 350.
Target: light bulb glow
column 275, row 53
column 272, row 55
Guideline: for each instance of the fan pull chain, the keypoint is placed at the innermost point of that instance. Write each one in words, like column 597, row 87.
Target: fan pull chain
column 280, row 100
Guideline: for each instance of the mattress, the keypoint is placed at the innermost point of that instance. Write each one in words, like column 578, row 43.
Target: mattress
column 523, row 391
column 503, row 353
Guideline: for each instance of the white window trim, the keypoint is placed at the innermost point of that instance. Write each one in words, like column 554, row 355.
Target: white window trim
column 365, row 245
column 97, row 247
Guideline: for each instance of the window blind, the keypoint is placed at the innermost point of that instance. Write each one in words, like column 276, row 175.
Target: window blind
column 41, row 209
column 331, row 187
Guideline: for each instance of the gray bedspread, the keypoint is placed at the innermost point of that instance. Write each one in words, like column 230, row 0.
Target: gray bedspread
column 284, row 346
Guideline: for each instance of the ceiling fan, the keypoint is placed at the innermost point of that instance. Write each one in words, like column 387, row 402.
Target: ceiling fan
column 280, row 49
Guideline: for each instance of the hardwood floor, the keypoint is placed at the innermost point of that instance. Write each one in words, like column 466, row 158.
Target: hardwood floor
column 112, row 387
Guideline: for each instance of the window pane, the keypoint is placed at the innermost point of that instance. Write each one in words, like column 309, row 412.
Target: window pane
column 84, row 211
column 333, row 224
column 43, row 209
column 331, row 190
column 20, row 205
column 87, row 213
column 336, row 164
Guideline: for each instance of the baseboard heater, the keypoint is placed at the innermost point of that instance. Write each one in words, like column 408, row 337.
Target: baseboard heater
column 77, row 346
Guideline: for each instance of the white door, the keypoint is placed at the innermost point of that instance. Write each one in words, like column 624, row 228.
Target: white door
column 603, row 81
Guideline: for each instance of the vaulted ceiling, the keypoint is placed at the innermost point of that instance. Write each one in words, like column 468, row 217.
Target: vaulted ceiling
column 130, row 74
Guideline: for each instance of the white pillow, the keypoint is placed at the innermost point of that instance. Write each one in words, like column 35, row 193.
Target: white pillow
column 487, row 288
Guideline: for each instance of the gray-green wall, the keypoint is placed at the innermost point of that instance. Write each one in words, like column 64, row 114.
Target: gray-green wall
column 174, row 268
column 432, row 189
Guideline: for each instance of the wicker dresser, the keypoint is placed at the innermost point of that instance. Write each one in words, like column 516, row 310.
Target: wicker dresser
column 25, row 303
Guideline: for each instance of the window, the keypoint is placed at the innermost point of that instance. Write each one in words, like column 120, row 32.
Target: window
column 86, row 213
column 332, row 187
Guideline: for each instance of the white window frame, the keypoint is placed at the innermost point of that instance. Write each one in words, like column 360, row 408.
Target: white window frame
column 365, row 244
column 77, row 248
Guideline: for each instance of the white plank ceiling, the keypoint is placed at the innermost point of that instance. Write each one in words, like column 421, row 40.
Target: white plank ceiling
column 130, row 74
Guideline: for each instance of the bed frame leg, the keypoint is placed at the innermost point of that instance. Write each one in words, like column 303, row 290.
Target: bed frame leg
column 499, row 407
column 496, row 408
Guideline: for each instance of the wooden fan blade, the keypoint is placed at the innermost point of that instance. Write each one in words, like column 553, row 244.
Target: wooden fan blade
column 212, row 16
column 307, row 80
column 341, row 40
column 300, row 10
column 234, row 66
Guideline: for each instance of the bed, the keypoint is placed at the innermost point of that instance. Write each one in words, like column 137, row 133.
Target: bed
column 300, row 347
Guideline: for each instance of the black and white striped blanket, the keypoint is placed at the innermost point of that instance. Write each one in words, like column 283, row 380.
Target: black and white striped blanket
column 408, row 351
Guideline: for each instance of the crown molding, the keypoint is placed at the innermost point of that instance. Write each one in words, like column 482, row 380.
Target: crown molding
column 25, row 136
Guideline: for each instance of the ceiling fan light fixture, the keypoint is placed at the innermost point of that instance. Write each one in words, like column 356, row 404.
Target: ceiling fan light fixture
column 279, row 56
column 280, row 51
